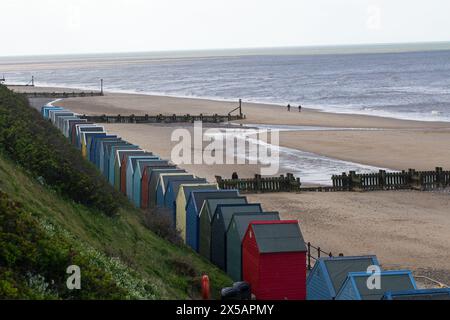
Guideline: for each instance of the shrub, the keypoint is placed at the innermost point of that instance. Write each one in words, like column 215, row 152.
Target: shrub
column 160, row 223
column 33, row 262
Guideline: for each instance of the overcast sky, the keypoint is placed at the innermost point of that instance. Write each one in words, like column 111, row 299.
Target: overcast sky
column 91, row 26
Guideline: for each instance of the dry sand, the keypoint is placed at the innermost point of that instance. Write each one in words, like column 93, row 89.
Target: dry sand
column 404, row 229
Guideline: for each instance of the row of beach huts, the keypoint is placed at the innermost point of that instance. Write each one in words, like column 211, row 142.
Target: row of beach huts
column 242, row 239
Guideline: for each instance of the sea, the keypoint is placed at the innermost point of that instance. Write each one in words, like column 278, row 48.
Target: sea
column 400, row 81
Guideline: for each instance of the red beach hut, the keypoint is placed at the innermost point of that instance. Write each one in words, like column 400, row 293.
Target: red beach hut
column 274, row 260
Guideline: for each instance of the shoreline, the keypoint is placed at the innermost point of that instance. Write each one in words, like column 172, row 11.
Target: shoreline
column 118, row 92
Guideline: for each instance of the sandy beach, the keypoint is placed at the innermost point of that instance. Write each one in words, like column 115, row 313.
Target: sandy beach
column 404, row 229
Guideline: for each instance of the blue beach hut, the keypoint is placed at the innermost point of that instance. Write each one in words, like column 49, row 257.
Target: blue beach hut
column 355, row 286
column 174, row 185
column 94, row 152
column 328, row 275
column 164, row 180
column 193, row 207
column 154, row 179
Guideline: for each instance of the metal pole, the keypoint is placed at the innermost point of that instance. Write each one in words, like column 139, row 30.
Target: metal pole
column 101, row 86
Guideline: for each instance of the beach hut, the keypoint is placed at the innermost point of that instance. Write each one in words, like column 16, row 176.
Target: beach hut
column 60, row 116
column 123, row 167
column 163, row 182
column 62, row 121
column 131, row 167
column 95, row 148
column 46, row 109
column 69, row 124
column 355, row 286
column 113, row 157
column 274, row 260
column 87, row 140
column 80, row 128
column 153, row 182
column 328, row 275
column 206, row 215
column 146, row 175
column 51, row 111
column 54, row 114
column 73, row 130
column 141, row 166
column 420, row 294
column 219, row 226
column 109, row 157
column 118, row 161
column 105, row 147
column 81, row 139
column 183, row 195
column 170, row 197
column 235, row 234
column 193, row 207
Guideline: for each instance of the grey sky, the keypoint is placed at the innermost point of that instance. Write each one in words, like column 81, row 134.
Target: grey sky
column 88, row 26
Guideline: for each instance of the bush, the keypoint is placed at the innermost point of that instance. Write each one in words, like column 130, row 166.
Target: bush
column 159, row 222
column 36, row 145
column 33, row 263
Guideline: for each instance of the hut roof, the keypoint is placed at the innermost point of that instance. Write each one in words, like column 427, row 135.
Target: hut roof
column 421, row 294
column 390, row 281
column 227, row 211
column 243, row 220
column 200, row 196
column 278, row 236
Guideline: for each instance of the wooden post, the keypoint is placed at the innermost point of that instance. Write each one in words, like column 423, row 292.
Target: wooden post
column 309, row 255
column 257, row 182
column 240, row 107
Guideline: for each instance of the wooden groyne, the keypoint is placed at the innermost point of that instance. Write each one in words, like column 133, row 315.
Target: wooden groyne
column 63, row 95
column 382, row 180
column 287, row 183
column 160, row 118
column 410, row 179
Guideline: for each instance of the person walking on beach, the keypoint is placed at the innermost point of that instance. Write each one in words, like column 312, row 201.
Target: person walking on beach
column 299, row 108
column 289, row 107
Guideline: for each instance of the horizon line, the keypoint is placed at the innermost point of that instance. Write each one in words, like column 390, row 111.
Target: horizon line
column 254, row 50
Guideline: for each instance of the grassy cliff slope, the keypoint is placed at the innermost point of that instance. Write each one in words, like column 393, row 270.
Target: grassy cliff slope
column 46, row 226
